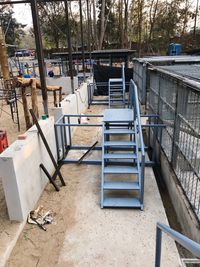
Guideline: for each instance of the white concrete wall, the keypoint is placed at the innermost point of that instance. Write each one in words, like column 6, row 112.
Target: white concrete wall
column 23, row 180
column 65, row 82
column 75, row 103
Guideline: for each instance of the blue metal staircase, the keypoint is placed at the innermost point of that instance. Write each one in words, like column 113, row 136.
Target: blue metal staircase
column 116, row 90
column 123, row 158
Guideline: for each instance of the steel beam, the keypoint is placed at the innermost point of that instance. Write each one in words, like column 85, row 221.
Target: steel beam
column 82, row 42
column 68, row 29
column 40, row 55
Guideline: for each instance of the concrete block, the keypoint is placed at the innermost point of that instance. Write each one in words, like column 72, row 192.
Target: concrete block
column 75, row 103
column 23, row 180
column 65, row 82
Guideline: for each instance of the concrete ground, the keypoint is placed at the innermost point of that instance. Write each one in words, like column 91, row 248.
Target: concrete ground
column 85, row 234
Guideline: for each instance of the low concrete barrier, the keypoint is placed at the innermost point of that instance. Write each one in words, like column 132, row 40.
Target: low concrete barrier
column 65, row 82
column 23, row 180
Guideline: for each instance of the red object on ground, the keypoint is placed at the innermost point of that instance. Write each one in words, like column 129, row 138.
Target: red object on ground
column 3, row 141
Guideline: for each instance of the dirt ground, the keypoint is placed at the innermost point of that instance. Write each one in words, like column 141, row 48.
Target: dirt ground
column 36, row 247
column 6, row 122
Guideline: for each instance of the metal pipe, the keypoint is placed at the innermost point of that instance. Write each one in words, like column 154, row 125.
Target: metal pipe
column 68, row 29
column 158, row 247
column 82, row 43
column 183, row 240
column 40, row 55
column 89, row 33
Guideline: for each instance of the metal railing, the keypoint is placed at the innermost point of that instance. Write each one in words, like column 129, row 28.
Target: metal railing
column 184, row 241
column 92, row 87
column 177, row 103
column 137, row 125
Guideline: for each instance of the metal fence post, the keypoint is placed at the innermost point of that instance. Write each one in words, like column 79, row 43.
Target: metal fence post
column 180, row 99
column 158, row 246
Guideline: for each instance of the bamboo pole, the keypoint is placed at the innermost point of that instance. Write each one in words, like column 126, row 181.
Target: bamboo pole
column 4, row 57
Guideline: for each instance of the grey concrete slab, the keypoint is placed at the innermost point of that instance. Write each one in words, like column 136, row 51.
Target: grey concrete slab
column 118, row 114
column 114, row 237
column 111, row 237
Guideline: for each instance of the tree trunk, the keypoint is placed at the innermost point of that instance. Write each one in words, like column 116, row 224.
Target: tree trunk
column 4, row 57
column 121, row 22
column 126, row 2
column 102, row 30
column 95, row 38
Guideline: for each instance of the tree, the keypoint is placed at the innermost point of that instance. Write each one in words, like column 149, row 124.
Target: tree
column 13, row 30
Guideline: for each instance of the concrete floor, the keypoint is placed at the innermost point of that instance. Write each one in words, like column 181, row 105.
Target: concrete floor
column 112, row 237
column 85, row 234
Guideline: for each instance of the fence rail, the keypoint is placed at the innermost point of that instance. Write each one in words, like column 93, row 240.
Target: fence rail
column 187, row 243
column 178, row 105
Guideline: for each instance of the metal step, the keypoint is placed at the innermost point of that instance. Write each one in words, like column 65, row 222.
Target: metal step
column 118, row 104
column 115, row 94
column 120, row 169
column 120, row 156
column 119, row 131
column 116, row 99
column 115, row 80
column 121, row 202
column 119, row 143
column 118, row 89
column 109, row 185
column 116, row 85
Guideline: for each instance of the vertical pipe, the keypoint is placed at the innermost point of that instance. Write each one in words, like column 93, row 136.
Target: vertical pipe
column 40, row 55
column 82, row 43
column 68, row 28
column 158, row 247
column 57, row 142
column 65, row 134
column 89, row 34
column 69, row 131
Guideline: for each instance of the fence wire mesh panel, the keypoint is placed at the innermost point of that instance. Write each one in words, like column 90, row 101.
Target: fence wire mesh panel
column 139, row 77
column 178, row 107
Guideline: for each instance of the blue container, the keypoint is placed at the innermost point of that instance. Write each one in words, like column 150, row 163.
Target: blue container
column 174, row 49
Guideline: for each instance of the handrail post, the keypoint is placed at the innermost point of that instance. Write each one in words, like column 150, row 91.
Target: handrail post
column 158, row 246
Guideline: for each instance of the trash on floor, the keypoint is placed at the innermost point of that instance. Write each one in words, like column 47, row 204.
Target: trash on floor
column 40, row 217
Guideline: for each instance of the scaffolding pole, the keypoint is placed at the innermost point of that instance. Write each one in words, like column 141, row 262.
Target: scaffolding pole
column 40, row 54
column 68, row 28
column 82, row 42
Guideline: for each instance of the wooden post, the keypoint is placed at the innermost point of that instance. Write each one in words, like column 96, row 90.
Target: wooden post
column 60, row 94
column 55, row 98
column 26, row 110
column 4, row 65
column 34, row 97
column 4, row 57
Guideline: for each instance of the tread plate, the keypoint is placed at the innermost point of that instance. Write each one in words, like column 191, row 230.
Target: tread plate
column 121, row 169
column 110, row 185
column 119, row 143
column 121, row 202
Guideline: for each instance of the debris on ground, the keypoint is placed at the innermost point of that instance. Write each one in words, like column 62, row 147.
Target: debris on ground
column 83, row 120
column 40, row 217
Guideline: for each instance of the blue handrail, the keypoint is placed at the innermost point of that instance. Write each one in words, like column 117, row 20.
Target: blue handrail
column 134, row 103
column 187, row 243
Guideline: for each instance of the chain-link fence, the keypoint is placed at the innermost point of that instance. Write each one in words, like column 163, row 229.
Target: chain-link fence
column 178, row 105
